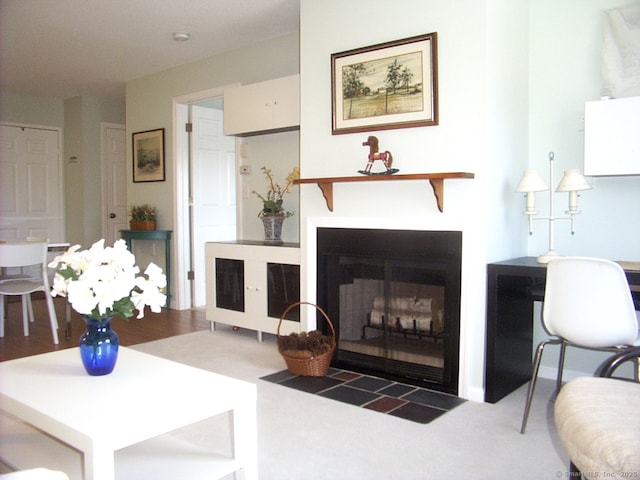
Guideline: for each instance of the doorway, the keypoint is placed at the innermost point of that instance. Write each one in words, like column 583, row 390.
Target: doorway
column 213, row 187
column 31, row 175
column 206, row 206
column 114, row 184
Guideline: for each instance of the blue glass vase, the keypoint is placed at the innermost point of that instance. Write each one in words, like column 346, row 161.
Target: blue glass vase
column 99, row 346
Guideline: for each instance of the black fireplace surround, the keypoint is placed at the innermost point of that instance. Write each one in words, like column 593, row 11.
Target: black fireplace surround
column 366, row 276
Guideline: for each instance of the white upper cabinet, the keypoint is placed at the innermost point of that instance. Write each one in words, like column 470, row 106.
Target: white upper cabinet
column 612, row 137
column 263, row 107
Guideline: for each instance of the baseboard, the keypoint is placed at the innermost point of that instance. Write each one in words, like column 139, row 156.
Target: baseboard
column 475, row 394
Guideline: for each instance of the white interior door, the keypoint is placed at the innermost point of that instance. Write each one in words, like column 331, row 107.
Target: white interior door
column 31, row 195
column 114, row 162
column 213, row 189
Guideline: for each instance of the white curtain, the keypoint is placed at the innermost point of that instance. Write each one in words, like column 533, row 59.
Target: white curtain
column 621, row 52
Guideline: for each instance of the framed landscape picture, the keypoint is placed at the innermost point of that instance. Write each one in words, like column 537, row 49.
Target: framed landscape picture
column 385, row 86
column 148, row 156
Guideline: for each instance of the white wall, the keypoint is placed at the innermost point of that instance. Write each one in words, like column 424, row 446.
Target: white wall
column 150, row 102
column 31, row 110
column 566, row 41
column 83, row 178
column 280, row 152
column 79, row 118
column 506, row 126
column 513, row 80
column 482, row 98
column 150, row 105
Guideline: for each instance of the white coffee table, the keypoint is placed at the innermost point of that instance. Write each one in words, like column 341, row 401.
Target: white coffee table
column 144, row 398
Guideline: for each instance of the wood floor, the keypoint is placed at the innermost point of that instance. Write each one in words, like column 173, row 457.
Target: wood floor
column 153, row 326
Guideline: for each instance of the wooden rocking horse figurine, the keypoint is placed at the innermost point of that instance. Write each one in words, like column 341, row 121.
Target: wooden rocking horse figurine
column 374, row 154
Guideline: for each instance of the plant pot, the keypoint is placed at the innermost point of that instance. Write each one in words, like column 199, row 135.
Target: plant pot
column 142, row 224
column 272, row 228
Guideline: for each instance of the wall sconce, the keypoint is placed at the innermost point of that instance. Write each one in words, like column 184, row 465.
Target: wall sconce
column 572, row 182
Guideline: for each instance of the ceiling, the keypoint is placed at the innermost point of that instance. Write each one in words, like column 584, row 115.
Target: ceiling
column 66, row 48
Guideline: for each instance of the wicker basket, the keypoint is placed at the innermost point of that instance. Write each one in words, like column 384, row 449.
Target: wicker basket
column 317, row 366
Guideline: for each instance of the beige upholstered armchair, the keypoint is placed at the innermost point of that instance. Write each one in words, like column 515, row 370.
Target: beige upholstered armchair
column 598, row 420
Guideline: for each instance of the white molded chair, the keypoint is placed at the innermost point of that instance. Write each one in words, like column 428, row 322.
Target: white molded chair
column 587, row 304
column 23, row 274
column 25, row 254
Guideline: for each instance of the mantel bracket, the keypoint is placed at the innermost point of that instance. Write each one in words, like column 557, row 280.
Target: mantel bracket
column 327, row 193
column 438, row 190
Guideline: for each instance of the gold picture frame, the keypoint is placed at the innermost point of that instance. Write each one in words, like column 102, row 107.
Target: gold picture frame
column 385, row 86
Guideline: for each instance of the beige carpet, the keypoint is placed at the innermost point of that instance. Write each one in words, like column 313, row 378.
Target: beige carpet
column 308, row 437
column 303, row 436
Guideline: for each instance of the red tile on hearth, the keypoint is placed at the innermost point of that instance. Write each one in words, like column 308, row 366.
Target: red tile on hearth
column 346, row 376
column 385, row 404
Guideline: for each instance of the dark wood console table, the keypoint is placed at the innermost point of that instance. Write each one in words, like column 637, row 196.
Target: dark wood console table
column 513, row 286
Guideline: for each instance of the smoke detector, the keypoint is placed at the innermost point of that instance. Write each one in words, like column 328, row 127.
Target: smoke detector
column 181, row 37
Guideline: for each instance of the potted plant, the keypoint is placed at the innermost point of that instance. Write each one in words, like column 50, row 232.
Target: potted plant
column 273, row 212
column 143, row 217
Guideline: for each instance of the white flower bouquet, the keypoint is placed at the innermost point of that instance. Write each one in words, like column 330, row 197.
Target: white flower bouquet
column 102, row 282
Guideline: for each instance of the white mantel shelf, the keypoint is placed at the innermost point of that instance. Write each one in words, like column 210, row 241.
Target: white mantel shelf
column 435, row 179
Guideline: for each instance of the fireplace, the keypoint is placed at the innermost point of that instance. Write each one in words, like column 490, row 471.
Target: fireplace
column 394, row 299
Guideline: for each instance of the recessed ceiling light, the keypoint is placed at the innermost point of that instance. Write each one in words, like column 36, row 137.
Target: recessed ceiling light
column 181, row 37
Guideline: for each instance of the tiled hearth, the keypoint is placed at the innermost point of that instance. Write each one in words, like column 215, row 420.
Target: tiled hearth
column 385, row 396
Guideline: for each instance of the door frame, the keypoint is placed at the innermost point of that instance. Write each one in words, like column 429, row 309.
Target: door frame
column 103, row 167
column 182, row 234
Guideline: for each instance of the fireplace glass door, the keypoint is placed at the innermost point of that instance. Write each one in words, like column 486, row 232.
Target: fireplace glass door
column 395, row 304
column 392, row 317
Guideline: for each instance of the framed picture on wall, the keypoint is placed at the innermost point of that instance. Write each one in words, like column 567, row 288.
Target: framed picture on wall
column 148, row 156
column 385, row 86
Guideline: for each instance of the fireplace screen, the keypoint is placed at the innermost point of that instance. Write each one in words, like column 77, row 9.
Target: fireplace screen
column 393, row 313
column 396, row 316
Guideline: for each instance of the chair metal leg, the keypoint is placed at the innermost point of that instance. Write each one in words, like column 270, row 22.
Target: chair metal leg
column 563, row 350
column 25, row 314
column 67, row 320
column 2, row 313
column 532, row 383
column 534, row 377
column 30, row 309
column 53, row 319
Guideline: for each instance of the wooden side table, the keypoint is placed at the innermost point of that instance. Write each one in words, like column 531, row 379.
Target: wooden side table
column 128, row 235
